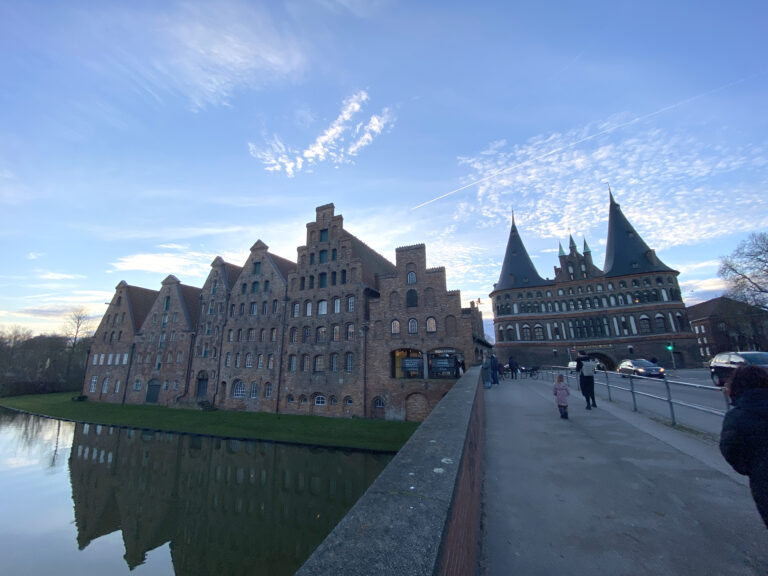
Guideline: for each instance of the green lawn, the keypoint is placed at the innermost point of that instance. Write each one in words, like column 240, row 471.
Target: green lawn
column 316, row 430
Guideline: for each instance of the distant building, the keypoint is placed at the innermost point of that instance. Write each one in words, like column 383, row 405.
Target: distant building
column 723, row 324
column 340, row 332
column 630, row 308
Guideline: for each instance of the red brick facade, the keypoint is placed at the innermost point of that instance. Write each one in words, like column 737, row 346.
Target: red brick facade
column 341, row 332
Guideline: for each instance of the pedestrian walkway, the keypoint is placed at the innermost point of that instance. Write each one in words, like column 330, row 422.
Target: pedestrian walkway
column 608, row 492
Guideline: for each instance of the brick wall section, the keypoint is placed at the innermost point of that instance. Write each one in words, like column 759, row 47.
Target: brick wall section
column 421, row 515
column 460, row 547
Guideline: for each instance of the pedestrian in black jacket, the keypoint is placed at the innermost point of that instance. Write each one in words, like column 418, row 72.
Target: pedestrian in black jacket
column 744, row 438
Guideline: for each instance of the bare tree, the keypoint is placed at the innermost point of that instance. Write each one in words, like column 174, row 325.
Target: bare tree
column 746, row 270
column 78, row 326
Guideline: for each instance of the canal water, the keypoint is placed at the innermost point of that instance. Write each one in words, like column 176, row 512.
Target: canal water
column 86, row 499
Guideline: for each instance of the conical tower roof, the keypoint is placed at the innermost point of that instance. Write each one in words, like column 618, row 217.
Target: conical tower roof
column 518, row 271
column 626, row 252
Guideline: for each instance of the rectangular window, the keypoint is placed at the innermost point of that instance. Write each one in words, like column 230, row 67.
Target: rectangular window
column 256, row 267
column 266, row 285
column 295, row 313
column 322, row 308
column 255, row 287
column 117, row 386
column 94, row 381
column 109, row 360
column 351, row 304
column 336, row 305
column 267, row 390
column 125, row 359
column 324, row 235
column 322, row 280
column 95, row 359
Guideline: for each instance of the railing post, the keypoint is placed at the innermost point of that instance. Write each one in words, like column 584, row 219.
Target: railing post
column 727, row 400
column 608, row 385
column 632, row 389
column 669, row 399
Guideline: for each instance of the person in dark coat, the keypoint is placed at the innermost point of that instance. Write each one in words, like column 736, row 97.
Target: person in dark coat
column 585, row 366
column 512, row 367
column 744, row 437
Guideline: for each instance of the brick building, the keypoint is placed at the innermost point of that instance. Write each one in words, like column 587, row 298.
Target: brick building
column 723, row 324
column 340, row 332
column 630, row 308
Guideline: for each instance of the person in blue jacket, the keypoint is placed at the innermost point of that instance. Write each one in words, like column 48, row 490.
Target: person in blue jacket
column 744, row 437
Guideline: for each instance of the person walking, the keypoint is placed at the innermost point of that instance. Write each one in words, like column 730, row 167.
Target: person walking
column 513, row 368
column 561, row 394
column 485, row 372
column 585, row 366
column 494, row 370
column 744, row 437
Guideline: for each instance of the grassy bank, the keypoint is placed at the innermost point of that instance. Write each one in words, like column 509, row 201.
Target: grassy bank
column 316, row 430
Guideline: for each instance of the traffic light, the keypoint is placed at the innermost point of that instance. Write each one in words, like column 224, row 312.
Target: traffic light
column 670, row 346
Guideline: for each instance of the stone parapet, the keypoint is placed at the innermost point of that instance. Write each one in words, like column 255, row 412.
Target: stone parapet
column 422, row 514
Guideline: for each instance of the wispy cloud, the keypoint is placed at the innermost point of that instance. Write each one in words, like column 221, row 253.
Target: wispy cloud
column 203, row 51
column 330, row 145
column 34, row 255
column 189, row 264
column 59, row 276
column 668, row 185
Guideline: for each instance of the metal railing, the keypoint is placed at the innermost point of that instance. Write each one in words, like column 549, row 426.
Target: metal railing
column 668, row 386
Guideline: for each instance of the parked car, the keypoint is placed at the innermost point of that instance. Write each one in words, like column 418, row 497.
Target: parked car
column 724, row 363
column 640, row 367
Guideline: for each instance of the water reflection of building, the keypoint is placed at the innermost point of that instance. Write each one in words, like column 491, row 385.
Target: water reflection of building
column 225, row 506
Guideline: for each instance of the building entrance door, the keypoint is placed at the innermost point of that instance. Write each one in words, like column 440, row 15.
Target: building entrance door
column 153, row 391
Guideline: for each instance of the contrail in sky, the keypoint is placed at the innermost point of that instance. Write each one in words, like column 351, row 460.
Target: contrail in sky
column 591, row 137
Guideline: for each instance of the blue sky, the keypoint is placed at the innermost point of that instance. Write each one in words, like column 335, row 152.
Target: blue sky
column 140, row 139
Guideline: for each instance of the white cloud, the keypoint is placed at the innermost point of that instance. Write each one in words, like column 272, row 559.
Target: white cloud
column 330, row 145
column 35, row 255
column 59, row 276
column 205, row 51
column 189, row 264
column 667, row 184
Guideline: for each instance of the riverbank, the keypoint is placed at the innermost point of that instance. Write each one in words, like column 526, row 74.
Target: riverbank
column 358, row 433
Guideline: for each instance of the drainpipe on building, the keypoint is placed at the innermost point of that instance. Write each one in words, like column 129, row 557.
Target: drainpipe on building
column 128, row 374
column 365, row 370
column 85, row 372
column 192, row 340
column 282, row 351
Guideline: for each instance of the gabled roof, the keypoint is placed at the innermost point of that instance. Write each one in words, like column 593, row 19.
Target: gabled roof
column 626, row 252
column 372, row 260
column 233, row 273
column 518, row 271
column 140, row 301
column 283, row 265
column 722, row 306
column 191, row 296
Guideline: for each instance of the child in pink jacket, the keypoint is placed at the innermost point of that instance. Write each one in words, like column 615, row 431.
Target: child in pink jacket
column 561, row 394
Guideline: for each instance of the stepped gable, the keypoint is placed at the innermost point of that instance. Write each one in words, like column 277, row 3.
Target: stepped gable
column 140, row 301
column 626, row 253
column 518, row 271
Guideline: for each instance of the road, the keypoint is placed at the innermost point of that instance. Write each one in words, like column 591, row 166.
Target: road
column 688, row 386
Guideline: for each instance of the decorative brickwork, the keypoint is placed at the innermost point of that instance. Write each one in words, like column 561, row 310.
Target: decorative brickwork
column 341, row 332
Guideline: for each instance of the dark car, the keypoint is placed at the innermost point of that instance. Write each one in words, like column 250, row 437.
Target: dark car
column 640, row 367
column 724, row 363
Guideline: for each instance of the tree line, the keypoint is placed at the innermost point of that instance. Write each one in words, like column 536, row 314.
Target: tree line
column 32, row 364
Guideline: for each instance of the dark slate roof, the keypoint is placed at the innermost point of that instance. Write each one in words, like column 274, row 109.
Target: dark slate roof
column 283, row 265
column 722, row 306
column 140, row 301
column 192, row 301
column 518, row 271
column 233, row 273
column 626, row 252
column 373, row 262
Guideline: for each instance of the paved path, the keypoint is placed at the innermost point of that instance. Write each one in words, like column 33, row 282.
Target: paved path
column 608, row 492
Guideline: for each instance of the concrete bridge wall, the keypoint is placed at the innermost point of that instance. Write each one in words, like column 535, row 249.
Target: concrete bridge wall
column 421, row 516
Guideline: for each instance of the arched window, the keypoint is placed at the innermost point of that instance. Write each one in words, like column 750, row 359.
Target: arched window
column 526, row 332
column 413, row 326
column 538, row 332
column 319, row 400
column 238, row 389
column 431, row 324
column 411, row 299
column 395, row 326
column 661, row 324
column 254, row 389
column 644, row 325
column 411, row 278
column 249, row 360
column 378, row 402
column 318, row 364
